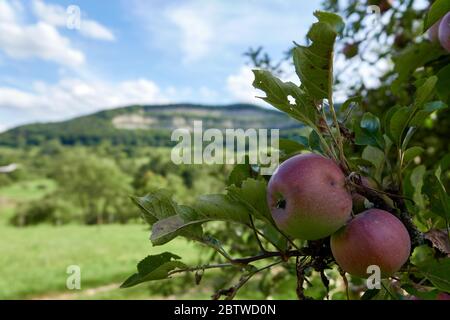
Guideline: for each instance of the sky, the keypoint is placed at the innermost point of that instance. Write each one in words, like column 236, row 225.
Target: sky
column 54, row 66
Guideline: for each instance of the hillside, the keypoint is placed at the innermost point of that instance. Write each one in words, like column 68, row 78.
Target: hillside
column 146, row 125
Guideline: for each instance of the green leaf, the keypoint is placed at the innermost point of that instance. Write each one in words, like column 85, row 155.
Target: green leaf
column 416, row 179
column 289, row 147
column 220, row 207
column 169, row 228
column 277, row 93
column 313, row 64
column 163, row 214
column 367, row 131
column 443, row 83
column 376, row 157
column 413, row 57
column 213, row 207
column 398, row 123
column 425, row 92
column 437, row 196
column 314, row 142
column 437, row 10
column 155, row 206
column 370, row 294
column 349, row 101
column 370, row 123
column 252, row 195
column 240, row 173
column 155, row 267
column 411, row 153
column 437, row 271
column 428, row 109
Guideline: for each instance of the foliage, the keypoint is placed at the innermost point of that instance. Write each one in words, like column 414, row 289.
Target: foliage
column 375, row 142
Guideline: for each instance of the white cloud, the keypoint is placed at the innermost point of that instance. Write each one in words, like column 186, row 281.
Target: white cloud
column 41, row 40
column 202, row 28
column 56, row 15
column 95, row 30
column 38, row 40
column 72, row 96
column 196, row 32
column 7, row 14
column 240, row 86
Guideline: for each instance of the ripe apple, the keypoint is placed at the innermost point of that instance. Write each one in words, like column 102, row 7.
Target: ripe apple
column 374, row 237
column 433, row 32
column 444, row 32
column 443, row 296
column 308, row 198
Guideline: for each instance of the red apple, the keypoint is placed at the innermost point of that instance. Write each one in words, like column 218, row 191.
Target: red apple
column 444, row 32
column 308, row 198
column 374, row 237
column 443, row 296
column 433, row 32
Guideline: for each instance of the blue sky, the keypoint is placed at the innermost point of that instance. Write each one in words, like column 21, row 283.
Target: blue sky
column 135, row 51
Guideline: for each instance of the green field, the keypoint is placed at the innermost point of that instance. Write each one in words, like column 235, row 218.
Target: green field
column 33, row 260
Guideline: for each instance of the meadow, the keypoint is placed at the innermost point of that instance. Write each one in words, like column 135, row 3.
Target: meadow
column 34, row 259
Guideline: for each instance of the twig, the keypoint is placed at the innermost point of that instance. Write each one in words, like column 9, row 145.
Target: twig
column 256, row 234
column 271, row 254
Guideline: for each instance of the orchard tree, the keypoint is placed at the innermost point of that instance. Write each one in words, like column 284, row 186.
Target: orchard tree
column 353, row 199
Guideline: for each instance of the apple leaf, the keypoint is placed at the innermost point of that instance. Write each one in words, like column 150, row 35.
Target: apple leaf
column 437, row 10
column 240, row 173
column 398, row 123
column 155, row 267
column 156, row 205
column 313, row 64
column 413, row 57
column 443, row 83
column 252, row 195
column 376, row 157
column 416, row 179
column 428, row 109
column 437, row 197
column 213, row 207
column 425, row 91
column 347, row 103
column 278, row 93
column 289, row 147
column 370, row 294
column 411, row 153
column 437, row 272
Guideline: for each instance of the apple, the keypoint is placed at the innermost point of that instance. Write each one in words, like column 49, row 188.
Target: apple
column 444, row 32
column 443, row 296
column 308, row 198
column 433, row 32
column 374, row 237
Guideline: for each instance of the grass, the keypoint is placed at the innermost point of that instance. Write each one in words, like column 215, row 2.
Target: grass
column 28, row 190
column 34, row 260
